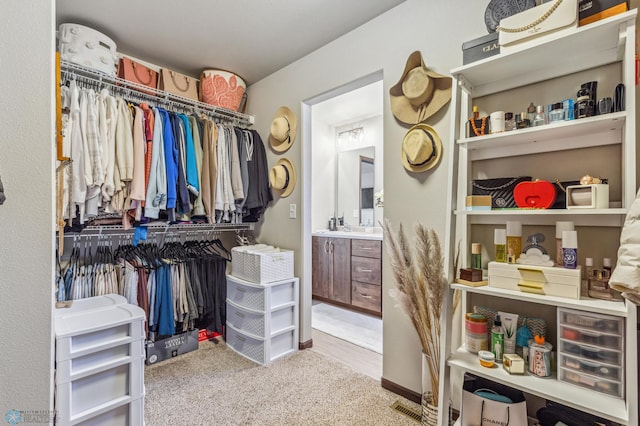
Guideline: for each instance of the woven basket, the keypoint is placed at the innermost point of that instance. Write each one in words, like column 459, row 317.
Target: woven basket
column 429, row 412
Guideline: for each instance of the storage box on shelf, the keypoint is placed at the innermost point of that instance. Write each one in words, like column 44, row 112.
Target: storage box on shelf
column 590, row 352
column 100, row 346
column 594, row 372
column 261, row 263
column 262, row 319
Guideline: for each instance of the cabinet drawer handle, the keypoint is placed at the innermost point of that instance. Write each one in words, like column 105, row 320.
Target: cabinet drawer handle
column 240, row 314
column 366, row 296
column 364, row 270
column 366, row 248
column 242, row 339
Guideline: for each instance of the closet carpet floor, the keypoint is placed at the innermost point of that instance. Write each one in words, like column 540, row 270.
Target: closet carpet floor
column 215, row 386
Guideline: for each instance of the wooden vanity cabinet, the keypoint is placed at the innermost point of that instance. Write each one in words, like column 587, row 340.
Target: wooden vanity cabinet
column 331, row 270
column 348, row 272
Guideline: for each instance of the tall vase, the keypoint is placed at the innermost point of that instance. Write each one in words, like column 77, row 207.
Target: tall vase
column 429, row 411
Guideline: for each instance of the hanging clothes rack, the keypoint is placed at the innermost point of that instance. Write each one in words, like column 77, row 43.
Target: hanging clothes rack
column 96, row 80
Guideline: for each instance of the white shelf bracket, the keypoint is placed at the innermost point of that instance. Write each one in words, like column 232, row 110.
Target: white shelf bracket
column 464, row 85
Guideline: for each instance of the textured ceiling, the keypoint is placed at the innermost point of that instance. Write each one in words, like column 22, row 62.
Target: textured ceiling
column 252, row 38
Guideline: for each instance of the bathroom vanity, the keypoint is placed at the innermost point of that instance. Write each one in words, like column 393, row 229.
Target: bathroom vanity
column 347, row 269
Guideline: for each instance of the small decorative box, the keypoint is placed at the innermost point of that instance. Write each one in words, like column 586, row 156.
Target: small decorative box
column 513, row 363
column 478, row 202
column 593, row 196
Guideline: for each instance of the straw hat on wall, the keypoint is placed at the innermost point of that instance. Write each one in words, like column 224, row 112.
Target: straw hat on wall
column 421, row 148
column 283, row 129
column 282, row 177
column 420, row 93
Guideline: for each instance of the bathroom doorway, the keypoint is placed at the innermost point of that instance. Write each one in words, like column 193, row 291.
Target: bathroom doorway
column 343, row 152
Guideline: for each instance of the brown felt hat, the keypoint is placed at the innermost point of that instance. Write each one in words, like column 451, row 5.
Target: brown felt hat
column 421, row 148
column 420, row 93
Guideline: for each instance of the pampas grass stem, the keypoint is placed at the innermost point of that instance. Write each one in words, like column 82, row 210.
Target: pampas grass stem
column 421, row 288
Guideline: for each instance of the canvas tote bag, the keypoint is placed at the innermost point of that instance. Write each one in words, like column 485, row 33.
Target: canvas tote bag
column 178, row 84
column 540, row 20
column 485, row 403
column 137, row 73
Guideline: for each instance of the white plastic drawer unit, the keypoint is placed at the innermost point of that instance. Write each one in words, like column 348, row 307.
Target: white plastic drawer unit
column 591, row 351
column 260, row 324
column 89, row 331
column 262, row 351
column 86, row 397
column 599, row 384
column 253, row 296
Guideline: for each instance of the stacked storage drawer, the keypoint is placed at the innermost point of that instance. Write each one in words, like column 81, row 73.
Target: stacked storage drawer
column 100, row 362
column 262, row 319
column 591, row 351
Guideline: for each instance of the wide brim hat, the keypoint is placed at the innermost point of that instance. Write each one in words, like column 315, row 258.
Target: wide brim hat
column 421, row 148
column 283, row 129
column 420, row 93
column 282, row 177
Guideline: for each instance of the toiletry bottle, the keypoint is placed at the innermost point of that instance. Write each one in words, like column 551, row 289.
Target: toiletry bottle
column 531, row 113
column 588, row 275
column 476, row 256
column 514, row 238
column 523, row 122
column 557, row 113
column 497, row 339
column 570, row 249
column 500, row 245
column 539, row 119
column 509, row 122
column 560, row 227
column 606, row 265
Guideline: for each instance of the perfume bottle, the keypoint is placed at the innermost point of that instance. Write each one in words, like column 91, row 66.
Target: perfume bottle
column 509, row 122
column 476, row 256
column 514, row 239
column 522, row 122
column 540, row 117
column 570, row 249
column 531, row 112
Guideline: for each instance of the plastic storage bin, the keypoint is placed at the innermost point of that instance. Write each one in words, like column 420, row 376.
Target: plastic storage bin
column 262, row 319
column 261, row 264
column 591, row 351
column 100, row 363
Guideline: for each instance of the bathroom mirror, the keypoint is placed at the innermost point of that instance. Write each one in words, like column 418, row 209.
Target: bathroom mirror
column 355, row 179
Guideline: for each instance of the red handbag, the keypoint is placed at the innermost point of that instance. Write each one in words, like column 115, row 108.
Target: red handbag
column 137, row 73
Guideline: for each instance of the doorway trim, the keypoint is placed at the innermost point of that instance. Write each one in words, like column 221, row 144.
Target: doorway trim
column 306, row 133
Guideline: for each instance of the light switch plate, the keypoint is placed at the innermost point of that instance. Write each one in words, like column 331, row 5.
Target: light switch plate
column 292, row 211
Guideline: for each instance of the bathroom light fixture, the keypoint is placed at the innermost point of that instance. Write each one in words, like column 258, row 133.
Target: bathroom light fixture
column 350, row 137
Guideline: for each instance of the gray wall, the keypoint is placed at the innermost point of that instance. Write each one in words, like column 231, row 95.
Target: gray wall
column 27, row 216
column 437, row 29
